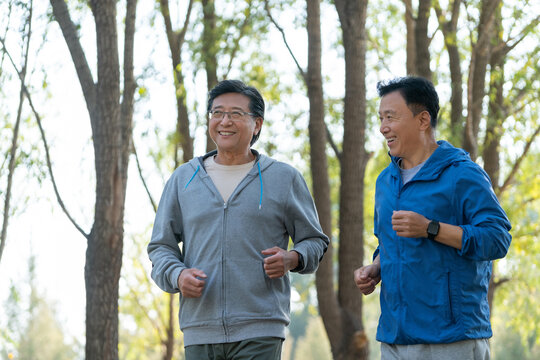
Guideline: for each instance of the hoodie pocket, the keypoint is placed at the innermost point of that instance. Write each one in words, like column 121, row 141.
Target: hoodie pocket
column 450, row 310
column 249, row 291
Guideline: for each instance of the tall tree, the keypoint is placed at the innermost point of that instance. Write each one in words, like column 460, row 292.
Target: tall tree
column 477, row 75
column 342, row 311
column 209, row 50
column 500, row 107
column 449, row 29
column 490, row 50
column 352, row 16
column 176, row 39
column 418, row 40
column 111, row 123
column 329, row 307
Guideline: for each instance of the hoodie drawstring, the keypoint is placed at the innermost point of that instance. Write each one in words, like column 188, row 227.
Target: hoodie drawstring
column 260, row 179
column 192, row 176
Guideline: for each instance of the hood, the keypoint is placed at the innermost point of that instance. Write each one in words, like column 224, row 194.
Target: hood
column 445, row 155
column 262, row 162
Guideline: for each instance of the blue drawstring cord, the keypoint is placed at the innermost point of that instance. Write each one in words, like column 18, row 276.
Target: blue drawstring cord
column 192, row 176
column 260, row 178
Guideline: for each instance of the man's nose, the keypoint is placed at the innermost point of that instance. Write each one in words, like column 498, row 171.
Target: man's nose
column 383, row 128
column 226, row 119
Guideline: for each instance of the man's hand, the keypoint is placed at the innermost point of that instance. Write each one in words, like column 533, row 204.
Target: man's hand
column 191, row 282
column 409, row 224
column 367, row 277
column 279, row 262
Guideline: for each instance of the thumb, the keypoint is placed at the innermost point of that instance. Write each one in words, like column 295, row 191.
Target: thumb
column 364, row 273
column 199, row 273
column 270, row 251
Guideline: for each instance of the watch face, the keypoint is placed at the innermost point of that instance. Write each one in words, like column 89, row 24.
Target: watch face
column 433, row 228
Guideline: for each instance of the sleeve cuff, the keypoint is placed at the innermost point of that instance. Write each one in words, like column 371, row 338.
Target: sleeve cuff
column 301, row 264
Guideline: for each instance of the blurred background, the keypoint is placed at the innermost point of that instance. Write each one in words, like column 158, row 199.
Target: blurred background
column 84, row 85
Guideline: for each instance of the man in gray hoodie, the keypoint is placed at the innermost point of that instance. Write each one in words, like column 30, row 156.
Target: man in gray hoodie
column 234, row 211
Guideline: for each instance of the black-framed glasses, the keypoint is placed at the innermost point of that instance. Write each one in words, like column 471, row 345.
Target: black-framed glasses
column 234, row 115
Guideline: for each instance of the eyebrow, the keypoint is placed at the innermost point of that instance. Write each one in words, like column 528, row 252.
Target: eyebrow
column 390, row 112
column 233, row 108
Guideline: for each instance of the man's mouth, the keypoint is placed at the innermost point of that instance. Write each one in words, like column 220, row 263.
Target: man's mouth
column 226, row 133
column 390, row 140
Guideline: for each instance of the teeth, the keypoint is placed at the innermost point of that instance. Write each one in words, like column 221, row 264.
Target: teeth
column 226, row 133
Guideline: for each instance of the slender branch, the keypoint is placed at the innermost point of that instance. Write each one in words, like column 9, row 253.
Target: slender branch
column 146, row 313
column 409, row 8
column 236, row 41
column 499, row 282
column 182, row 34
column 69, row 30
column 507, row 47
column 332, row 143
column 130, row 85
column 513, row 172
column 13, row 149
column 280, row 29
column 142, row 177
column 512, row 109
column 46, row 146
column 5, row 33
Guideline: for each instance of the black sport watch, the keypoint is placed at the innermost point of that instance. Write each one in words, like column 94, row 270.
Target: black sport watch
column 433, row 229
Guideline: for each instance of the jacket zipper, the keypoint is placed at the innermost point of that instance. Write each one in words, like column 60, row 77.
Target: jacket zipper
column 400, row 251
column 224, row 276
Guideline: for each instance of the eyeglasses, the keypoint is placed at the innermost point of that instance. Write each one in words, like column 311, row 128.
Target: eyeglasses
column 234, row 115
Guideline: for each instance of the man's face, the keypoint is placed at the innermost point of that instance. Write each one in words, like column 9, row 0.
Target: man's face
column 233, row 135
column 399, row 126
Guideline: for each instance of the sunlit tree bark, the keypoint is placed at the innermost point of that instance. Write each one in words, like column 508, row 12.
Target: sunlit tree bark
column 111, row 122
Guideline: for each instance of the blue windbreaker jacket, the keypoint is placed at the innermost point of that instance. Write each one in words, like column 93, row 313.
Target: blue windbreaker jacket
column 432, row 293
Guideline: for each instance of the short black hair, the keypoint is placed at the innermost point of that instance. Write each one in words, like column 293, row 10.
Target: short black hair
column 418, row 92
column 256, row 102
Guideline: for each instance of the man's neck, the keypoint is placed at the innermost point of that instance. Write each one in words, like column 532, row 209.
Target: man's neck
column 226, row 158
column 423, row 153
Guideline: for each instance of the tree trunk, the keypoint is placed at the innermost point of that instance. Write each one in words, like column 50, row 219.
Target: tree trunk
column 449, row 29
column 494, row 128
column 477, row 76
column 327, row 299
column 422, row 39
column 209, row 53
column 352, row 15
column 410, row 22
column 111, row 133
column 176, row 39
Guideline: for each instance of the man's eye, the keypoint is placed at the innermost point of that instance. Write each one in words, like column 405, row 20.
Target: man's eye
column 217, row 113
column 236, row 114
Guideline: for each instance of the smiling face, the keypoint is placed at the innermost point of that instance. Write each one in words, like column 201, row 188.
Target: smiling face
column 400, row 127
column 233, row 137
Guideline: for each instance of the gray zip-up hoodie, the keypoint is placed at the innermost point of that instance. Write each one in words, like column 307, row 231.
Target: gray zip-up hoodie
column 225, row 240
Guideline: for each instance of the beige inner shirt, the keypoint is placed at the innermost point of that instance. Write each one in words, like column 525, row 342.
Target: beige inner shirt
column 226, row 177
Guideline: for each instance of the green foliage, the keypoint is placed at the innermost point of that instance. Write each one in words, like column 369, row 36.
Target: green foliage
column 509, row 344
column 314, row 345
column 239, row 25
column 144, row 308
column 31, row 329
column 517, row 300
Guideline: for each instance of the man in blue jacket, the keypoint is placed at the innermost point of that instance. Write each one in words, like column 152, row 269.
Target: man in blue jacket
column 234, row 211
column 439, row 226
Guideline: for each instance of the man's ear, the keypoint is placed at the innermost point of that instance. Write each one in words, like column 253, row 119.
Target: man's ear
column 258, row 125
column 425, row 120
